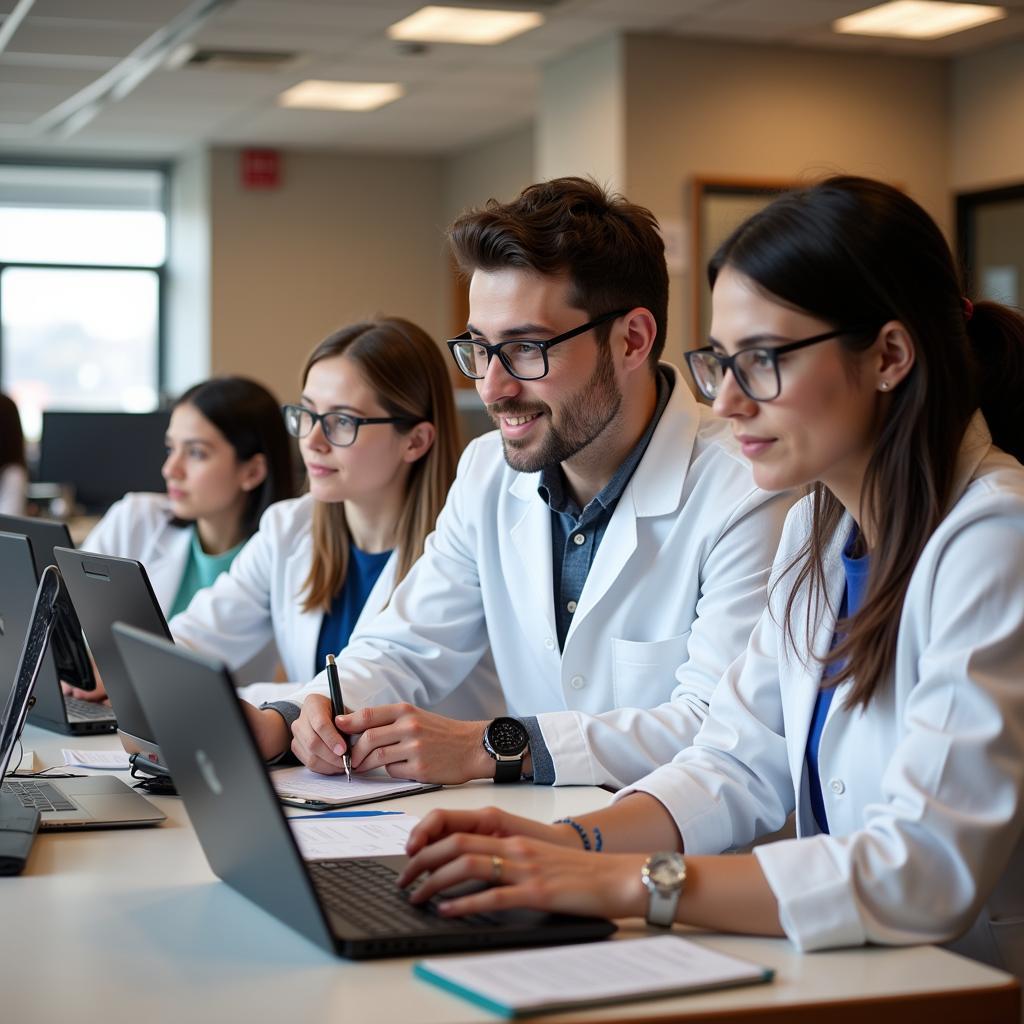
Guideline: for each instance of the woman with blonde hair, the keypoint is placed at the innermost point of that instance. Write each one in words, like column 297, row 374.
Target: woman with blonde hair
column 378, row 435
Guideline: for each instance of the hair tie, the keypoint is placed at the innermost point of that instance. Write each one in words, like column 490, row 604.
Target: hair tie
column 968, row 308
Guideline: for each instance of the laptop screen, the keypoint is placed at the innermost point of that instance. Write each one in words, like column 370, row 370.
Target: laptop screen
column 40, row 626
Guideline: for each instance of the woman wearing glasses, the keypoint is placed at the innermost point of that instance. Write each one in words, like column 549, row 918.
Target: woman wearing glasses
column 227, row 460
column 379, row 438
column 880, row 695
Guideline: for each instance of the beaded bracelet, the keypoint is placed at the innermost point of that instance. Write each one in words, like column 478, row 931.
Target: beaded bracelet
column 583, row 834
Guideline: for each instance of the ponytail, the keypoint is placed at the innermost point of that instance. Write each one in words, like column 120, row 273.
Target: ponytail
column 997, row 340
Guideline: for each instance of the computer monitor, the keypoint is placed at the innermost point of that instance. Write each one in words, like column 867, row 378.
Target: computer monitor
column 103, row 454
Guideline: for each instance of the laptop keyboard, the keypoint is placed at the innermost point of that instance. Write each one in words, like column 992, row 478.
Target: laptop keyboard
column 364, row 893
column 87, row 710
column 41, row 796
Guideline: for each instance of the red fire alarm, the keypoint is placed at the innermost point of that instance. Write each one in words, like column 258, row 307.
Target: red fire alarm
column 261, row 168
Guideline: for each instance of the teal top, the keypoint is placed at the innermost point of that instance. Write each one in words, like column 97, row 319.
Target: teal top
column 201, row 570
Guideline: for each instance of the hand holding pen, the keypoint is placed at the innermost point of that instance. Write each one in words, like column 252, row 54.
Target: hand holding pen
column 338, row 708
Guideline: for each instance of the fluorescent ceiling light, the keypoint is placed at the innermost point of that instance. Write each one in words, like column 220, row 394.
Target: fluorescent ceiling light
column 316, row 94
column 918, row 19
column 476, row 27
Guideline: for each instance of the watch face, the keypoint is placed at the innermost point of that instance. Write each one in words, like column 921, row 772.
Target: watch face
column 507, row 736
column 666, row 872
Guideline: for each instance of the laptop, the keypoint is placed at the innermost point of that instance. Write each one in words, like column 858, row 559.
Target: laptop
column 105, row 590
column 71, row 656
column 351, row 907
column 52, row 709
column 89, row 802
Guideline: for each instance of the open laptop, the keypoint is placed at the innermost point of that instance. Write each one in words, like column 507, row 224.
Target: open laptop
column 90, row 802
column 52, row 710
column 351, row 907
column 105, row 590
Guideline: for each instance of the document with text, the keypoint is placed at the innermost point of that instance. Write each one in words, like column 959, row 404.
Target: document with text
column 335, row 838
column 301, row 787
column 517, row 984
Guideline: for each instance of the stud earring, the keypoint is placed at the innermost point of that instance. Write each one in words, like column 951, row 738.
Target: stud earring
column 884, row 386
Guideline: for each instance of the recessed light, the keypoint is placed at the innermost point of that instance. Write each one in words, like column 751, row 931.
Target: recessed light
column 317, row 94
column 436, row 24
column 918, row 19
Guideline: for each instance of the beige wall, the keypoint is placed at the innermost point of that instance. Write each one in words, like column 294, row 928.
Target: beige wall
column 499, row 168
column 581, row 114
column 346, row 236
column 730, row 110
column 988, row 118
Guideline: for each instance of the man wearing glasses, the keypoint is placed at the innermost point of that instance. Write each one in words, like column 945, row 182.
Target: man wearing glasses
column 607, row 542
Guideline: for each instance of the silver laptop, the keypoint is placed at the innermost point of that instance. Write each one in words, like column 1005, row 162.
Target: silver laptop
column 90, row 802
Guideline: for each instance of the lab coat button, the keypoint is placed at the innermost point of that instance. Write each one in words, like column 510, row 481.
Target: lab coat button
column 576, row 682
column 837, row 786
column 549, row 643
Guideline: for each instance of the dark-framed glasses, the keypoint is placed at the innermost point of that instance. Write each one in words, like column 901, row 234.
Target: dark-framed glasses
column 756, row 369
column 523, row 359
column 340, row 428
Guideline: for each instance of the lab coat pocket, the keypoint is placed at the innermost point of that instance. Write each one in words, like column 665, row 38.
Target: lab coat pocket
column 644, row 674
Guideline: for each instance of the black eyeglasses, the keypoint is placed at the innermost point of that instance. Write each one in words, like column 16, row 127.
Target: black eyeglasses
column 339, row 428
column 756, row 369
column 524, row 360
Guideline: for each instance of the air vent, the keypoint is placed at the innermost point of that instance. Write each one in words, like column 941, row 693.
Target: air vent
column 242, row 60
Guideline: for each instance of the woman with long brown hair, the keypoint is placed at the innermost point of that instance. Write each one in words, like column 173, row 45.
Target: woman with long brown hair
column 881, row 695
column 378, row 435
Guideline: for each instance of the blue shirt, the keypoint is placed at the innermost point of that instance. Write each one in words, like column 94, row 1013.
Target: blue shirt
column 853, row 597
column 576, row 535
column 347, row 605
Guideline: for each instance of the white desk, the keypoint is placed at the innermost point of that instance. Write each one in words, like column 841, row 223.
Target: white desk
column 132, row 926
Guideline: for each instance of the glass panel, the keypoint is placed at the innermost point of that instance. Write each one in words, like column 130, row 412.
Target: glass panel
column 134, row 238
column 79, row 339
column 82, row 215
column 999, row 251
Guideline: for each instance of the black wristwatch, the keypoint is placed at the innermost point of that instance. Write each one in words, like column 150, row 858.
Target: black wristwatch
column 507, row 741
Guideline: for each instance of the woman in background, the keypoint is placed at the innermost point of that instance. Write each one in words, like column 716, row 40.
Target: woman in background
column 881, row 695
column 228, row 458
column 13, row 471
column 379, row 437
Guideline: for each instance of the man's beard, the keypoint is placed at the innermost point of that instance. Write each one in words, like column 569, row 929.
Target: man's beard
column 584, row 416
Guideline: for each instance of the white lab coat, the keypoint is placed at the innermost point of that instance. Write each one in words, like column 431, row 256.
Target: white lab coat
column 677, row 583
column 923, row 788
column 13, row 488
column 139, row 526
column 259, row 599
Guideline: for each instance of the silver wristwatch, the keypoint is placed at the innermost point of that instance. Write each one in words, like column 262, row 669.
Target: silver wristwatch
column 663, row 876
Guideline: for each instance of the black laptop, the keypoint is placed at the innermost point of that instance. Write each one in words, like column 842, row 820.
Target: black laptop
column 89, row 802
column 65, row 655
column 351, row 907
column 105, row 590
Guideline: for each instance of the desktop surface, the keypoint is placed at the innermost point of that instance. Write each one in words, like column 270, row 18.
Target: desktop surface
column 140, row 928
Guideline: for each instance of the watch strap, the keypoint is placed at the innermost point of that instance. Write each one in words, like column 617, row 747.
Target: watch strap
column 508, row 771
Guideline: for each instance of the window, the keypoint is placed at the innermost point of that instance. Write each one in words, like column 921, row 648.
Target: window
column 82, row 254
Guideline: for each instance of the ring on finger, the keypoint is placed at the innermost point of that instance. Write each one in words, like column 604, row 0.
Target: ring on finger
column 497, row 868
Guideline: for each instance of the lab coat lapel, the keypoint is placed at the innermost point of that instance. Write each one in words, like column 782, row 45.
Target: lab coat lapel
column 802, row 693
column 528, row 571
column 655, row 489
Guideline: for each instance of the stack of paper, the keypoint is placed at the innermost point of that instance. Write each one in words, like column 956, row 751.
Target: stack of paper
column 352, row 834
column 516, row 984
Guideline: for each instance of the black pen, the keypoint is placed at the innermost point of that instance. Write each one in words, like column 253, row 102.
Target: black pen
column 338, row 708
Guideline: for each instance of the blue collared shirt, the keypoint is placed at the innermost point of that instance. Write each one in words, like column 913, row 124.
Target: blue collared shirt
column 576, row 535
